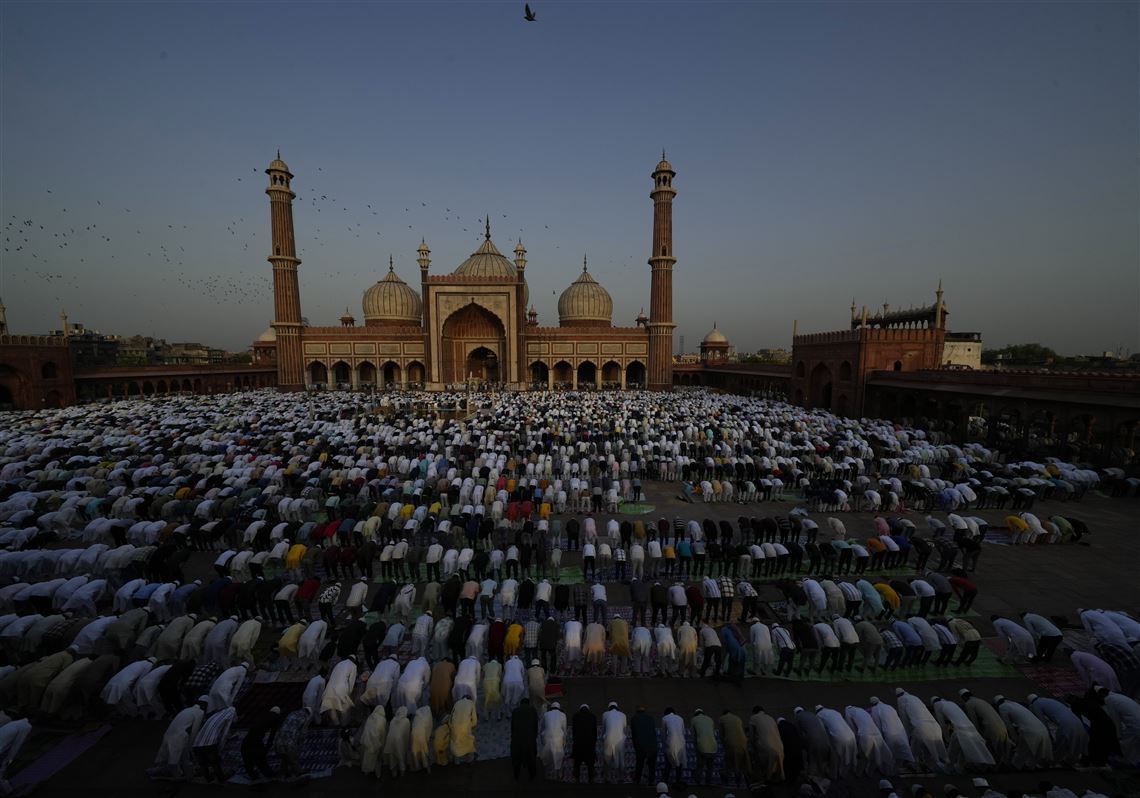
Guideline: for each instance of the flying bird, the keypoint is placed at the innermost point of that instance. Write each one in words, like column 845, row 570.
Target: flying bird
column 528, row 15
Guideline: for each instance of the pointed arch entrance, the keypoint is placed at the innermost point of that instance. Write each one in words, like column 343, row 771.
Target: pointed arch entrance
column 473, row 344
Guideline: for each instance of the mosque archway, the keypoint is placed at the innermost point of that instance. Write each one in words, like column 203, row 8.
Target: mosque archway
column 539, row 374
column 587, row 375
column 611, row 374
column 482, row 364
column 563, row 374
column 473, row 344
column 416, row 372
column 318, row 375
column 391, row 373
column 366, row 373
column 635, row 375
column 819, row 388
column 7, row 401
column 342, row 374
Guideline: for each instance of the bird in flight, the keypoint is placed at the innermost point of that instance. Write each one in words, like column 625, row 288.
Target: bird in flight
column 528, row 15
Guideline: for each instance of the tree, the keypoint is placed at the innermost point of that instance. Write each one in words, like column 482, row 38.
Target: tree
column 1020, row 353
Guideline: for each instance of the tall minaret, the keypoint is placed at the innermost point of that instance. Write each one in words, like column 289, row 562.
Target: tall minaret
column 3, row 319
column 286, row 294
column 660, row 377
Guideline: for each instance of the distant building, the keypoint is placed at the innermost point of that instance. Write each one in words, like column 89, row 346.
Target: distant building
column 829, row 368
column 715, row 347
column 962, row 350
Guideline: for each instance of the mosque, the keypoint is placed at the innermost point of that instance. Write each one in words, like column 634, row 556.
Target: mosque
column 473, row 324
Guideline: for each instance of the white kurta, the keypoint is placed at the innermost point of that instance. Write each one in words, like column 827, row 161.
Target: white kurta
column 413, row 681
column 119, row 691
column 398, row 743
column 844, row 749
column 225, row 688
column 466, row 684
column 613, row 738
column 676, row 753
column 966, row 745
column 1032, row 746
column 553, row 736
column 312, row 640
column 336, row 702
column 179, row 736
column 514, row 683
column 381, row 682
column 243, row 641
column 926, row 743
column 1125, row 714
column 372, row 737
column 762, row 654
column 422, row 725
column 873, row 746
column 311, row 698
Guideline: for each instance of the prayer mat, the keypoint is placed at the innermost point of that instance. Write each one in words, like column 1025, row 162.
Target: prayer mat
column 319, row 755
column 256, row 698
column 998, row 538
column 56, row 759
column 634, row 508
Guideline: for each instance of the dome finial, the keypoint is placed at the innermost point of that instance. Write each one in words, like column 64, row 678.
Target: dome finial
column 487, row 234
column 279, row 153
column 391, row 264
column 663, row 153
column 583, row 261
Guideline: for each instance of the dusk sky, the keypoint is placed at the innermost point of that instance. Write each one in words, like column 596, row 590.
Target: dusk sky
column 823, row 151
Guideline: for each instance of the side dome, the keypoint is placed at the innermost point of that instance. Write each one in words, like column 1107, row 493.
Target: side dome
column 585, row 303
column 715, row 336
column 391, row 302
column 487, row 261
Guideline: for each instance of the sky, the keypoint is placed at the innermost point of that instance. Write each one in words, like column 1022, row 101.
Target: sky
column 824, row 152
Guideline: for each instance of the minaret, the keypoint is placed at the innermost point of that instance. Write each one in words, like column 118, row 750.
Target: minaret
column 63, row 323
column 939, row 320
column 286, row 293
column 523, row 319
column 3, row 318
column 424, row 260
column 660, row 376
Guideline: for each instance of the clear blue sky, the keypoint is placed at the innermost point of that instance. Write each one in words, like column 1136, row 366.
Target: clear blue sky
column 823, row 151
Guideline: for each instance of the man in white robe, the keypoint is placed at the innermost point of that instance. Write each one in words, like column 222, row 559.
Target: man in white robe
column 1070, row 737
column 174, row 757
column 614, row 728
column 466, row 684
column 514, row 684
column 1032, row 746
column 312, row 641
column 225, row 688
column 666, row 650
column 244, row 639
column 926, row 744
column 965, row 744
column 641, row 649
column 420, row 753
column 314, row 691
column 398, row 742
column 413, row 681
column 169, row 642
column 676, row 752
column 119, row 691
column 844, row 749
column 195, row 639
column 336, row 702
column 552, row 734
column 147, row 701
column 373, row 735
column 572, row 646
column 873, row 748
column 381, row 682
column 762, row 655
column 1125, row 714
column 1019, row 642
column 217, row 644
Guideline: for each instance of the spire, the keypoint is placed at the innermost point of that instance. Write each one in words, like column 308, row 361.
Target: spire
column 487, row 234
column 663, row 153
column 279, row 153
column 583, row 261
column 391, row 264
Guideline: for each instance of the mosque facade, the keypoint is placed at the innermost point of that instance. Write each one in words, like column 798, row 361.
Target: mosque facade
column 473, row 324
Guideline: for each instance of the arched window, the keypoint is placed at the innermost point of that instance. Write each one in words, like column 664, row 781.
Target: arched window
column 48, row 371
column 845, row 371
column 897, row 366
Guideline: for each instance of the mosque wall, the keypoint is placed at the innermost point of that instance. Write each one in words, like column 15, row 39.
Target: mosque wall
column 35, row 372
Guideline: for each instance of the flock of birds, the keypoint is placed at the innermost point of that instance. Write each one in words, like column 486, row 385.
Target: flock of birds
column 68, row 255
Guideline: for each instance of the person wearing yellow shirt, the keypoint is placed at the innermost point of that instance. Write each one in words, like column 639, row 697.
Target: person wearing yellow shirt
column 512, row 644
column 890, row 598
column 295, row 555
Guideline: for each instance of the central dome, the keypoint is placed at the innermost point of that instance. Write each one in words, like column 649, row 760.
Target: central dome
column 715, row 336
column 486, row 261
column 585, row 303
column 391, row 302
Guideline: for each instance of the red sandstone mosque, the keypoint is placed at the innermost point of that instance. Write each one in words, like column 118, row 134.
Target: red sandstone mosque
column 471, row 324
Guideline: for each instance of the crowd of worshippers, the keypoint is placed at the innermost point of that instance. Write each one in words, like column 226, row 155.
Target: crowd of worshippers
column 107, row 504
